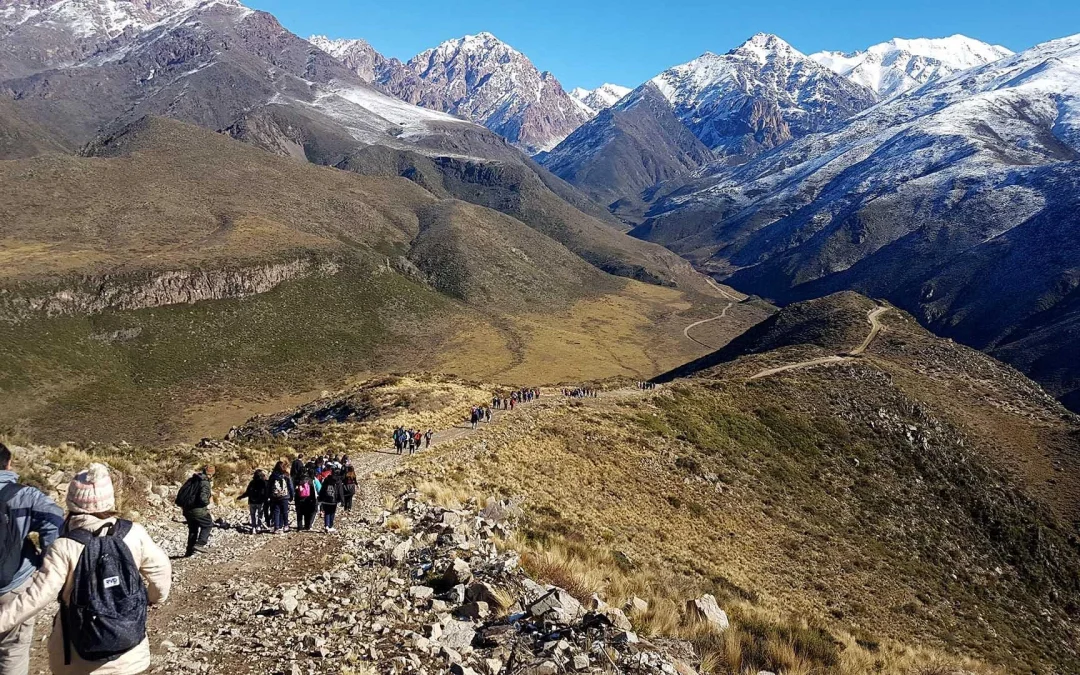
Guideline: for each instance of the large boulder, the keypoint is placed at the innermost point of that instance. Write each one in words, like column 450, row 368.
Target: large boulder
column 558, row 606
column 706, row 610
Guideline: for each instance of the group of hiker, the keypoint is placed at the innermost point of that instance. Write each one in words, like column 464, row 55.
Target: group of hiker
column 580, row 392
column 411, row 440
column 321, row 484
column 103, row 569
column 645, row 385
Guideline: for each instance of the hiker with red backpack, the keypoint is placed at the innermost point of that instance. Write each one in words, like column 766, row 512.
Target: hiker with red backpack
column 105, row 571
column 23, row 510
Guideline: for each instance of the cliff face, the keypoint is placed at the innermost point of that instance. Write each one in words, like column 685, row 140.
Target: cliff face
column 93, row 295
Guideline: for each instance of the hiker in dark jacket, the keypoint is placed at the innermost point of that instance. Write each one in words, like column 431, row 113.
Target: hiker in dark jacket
column 32, row 512
column 257, row 494
column 296, row 472
column 197, row 512
column 331, row 494
column 307, row 502
column 281, row 495
column 351, row 485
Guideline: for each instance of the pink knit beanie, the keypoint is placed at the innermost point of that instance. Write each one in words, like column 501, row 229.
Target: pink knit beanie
column 91, row 491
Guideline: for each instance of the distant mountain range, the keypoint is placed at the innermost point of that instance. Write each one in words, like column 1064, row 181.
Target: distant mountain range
column 958, row 201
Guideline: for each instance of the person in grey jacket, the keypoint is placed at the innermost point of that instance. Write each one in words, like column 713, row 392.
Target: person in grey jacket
column 33, row 512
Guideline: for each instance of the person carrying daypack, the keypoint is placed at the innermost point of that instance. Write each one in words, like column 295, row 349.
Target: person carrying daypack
column 307, row 502
column 350, row 485
column 296, row 471
column 104, row 571
column 281, row 495
column 23, row 510
column 257, row 494
column 331, row 494
column 194, row 498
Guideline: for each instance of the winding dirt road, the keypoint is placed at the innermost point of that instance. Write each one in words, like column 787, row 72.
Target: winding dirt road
column 872, row 316
column 721, row 315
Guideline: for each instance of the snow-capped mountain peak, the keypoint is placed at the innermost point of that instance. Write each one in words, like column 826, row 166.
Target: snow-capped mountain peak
column 483, row 79
column 359, row 56
column 899, row 65
column 763, row 46
column 592, row 101
column 98, row 19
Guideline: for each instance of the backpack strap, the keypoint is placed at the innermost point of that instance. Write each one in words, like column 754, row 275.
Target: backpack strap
column 9, row 492
column 81, row 536
column 120, row 528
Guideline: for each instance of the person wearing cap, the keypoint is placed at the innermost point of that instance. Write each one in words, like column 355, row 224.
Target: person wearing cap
column 199, row 522
column 91, row 504
column 32, row 512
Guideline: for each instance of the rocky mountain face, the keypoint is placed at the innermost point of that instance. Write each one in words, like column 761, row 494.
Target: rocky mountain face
column 956, row 202
column 357, row 55
column 900, row 65
column 628, row 148
column 756, row 97
column 485, row 80
column 603, row 97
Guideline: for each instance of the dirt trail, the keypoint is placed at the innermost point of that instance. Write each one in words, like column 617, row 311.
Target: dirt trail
column 686, row 331
column 872, row 316
column 723, row 291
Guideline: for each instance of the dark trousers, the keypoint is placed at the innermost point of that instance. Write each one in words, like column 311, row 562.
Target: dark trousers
column 329, row 514
column 199, row 526
column 347, row 501
column 305, row 515
column 280, row 510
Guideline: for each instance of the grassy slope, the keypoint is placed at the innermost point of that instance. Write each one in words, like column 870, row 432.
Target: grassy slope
column 852, row 493
column 165, row 196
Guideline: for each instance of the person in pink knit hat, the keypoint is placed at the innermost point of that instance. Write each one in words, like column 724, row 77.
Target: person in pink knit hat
column 91, row 502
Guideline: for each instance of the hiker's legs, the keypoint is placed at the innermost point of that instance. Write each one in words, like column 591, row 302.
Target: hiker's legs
column 255, row 515
column 348, row 502
column 192, row 534
column 15, row 644
column 329, row 513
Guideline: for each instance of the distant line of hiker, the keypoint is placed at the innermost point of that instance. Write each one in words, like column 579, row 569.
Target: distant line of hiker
column 105, row 571
column 580, row 392
column 411, row 439
column 646, row 386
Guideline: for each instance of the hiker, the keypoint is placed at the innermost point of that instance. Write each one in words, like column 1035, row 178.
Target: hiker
column 474, row 418
column 257, row 494
column 307, row 502
column 427, row 438
column 487, row 414
column 330, row 495
column 99, row 562
column 418, row 440
column 23, row 510
column 194, row 498
column 281, row 494
column 351, row 484
column 296, row 471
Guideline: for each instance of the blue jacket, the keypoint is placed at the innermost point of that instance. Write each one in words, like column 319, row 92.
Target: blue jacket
column 34, row 512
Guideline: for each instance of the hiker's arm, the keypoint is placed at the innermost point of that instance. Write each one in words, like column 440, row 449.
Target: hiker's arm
column 155, row 568
column 46, row 518
column 45, row 587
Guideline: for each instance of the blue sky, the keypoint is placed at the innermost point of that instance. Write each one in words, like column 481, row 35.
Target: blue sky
column 588, row 42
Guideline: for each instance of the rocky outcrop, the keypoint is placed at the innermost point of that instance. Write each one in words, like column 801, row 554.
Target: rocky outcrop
column 94, row 295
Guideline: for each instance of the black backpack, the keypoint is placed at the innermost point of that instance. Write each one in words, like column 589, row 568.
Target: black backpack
column 189, row 496
column 331, row 491
column 106, row 614
column 12, row 540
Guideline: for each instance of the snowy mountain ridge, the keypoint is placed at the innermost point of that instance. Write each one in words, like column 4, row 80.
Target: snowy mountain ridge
column 758, row 95
column 592, row 101
column 900, row 65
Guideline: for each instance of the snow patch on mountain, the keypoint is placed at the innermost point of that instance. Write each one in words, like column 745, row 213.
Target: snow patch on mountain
column 483, row 79
column 900, row 65
column 759, row 95
column 592, row 101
